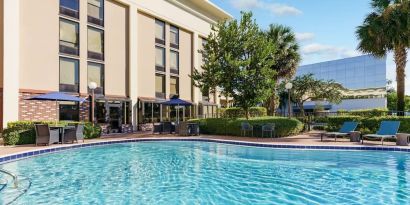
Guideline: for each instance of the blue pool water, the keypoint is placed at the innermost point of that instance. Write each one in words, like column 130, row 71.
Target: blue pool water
column 170, row 172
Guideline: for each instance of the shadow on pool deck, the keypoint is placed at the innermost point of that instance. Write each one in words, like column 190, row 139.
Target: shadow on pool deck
column 311, row 138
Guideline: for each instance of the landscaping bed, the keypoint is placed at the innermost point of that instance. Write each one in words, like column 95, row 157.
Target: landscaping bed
column 22, row 132
column 224, row 126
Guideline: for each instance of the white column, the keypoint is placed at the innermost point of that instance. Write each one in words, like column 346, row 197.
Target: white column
column 196, row 92
column 133, row 66
column 11, row 60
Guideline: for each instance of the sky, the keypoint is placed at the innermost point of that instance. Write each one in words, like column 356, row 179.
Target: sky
column 325, row 29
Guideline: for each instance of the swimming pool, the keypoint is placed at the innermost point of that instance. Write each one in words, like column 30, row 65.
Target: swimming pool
column 188, row 172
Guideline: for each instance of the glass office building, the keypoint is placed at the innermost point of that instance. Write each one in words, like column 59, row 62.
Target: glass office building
column 363, row 77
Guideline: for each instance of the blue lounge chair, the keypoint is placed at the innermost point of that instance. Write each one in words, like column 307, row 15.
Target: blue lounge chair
column 388, row 129
column 345, row 130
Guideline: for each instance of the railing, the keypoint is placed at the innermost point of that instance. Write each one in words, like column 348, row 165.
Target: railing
column 69, row 50
column 96, row 56
column 160, row 68
column 69, row 88
column 15, row 178
column 174, row 71
column 173, row 45
column 69, row 12
column 160, row 95
column 159, row 41
column 95, row 21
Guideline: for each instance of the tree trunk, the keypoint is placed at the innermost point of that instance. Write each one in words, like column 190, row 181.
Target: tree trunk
column 400, row 58
column 302, row 110
column 247, row 113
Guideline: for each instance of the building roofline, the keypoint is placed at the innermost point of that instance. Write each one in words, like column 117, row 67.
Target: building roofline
column 340, row 59
column 207, row 5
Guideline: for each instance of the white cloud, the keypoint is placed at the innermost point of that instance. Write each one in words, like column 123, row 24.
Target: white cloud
column 328, row 50
column 305, row 36
column 275, row 8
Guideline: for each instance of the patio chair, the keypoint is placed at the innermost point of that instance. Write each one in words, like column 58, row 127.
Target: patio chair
column 183, row 128
column 75, row 134
column 246, row 127
column 270, row 128
column 345, row 130
column 388, row 129
column 157, row 128
column 167, row 127
column 46, row 136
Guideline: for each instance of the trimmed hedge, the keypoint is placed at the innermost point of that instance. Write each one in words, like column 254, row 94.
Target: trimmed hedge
column 23, row 132
column 222, row 126
column 237, row 112
column 377, row 112
column 366, row 125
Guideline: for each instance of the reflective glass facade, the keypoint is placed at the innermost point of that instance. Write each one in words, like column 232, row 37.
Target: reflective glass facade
column 361, row 72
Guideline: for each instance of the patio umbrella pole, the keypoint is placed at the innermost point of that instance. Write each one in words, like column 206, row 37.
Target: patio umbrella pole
column 55, row 122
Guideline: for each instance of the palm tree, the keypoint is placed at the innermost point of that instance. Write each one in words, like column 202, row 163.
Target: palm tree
column 287, row 58
column 386, row 29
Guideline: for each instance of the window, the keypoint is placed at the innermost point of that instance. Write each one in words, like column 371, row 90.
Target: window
column 174, row 37
column 68, row 75
column 96, row 74
column 96, row 12
column 160, row 59
column 174, row 84
column 69, row 43
column 159, row 32
column 160, row 86
column 69, row 111
column 95, row 44
column 174, row 63
column 69, row 8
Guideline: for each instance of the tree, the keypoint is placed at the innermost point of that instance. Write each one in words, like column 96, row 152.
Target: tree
column 287, row 58
column 387, row 29
column 306, row 88
column 237, row 61
column 392, row 101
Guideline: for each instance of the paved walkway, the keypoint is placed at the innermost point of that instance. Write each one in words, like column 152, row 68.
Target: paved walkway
column 312, row 138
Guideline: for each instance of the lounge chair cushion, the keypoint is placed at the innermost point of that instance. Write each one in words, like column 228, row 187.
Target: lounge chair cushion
column 379, row 136
column 336, row 133
column 348, row 127
column 388, row 128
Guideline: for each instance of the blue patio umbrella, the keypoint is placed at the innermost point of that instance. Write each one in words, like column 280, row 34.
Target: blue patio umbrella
column 57, row 96
column 177, row 102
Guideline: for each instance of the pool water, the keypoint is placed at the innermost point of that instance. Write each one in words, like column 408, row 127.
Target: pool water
column 175, row 172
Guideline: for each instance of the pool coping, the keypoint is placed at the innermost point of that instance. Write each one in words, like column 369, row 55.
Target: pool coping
column 47, row 150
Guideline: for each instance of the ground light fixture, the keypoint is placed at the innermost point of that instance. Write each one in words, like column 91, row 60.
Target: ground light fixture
column 92, row 86
column 288, row 87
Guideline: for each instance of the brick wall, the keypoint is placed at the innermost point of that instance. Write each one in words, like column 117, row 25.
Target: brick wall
column 35, row 110
column 84, row 111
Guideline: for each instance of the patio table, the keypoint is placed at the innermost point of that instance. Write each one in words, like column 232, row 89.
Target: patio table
column 61, row 131
column 402, row 139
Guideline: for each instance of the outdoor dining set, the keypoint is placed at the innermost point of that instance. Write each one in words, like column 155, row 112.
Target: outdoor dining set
column 47, row 135
column 183, row 128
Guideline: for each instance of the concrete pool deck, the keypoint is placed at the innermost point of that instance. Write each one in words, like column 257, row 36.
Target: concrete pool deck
column 305, row 139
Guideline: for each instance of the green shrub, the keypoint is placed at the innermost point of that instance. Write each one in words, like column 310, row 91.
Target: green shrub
column 10, row 137
column 237, row 112
column 92, row 131
column 223, row 126
column 378, row 112
column 23, row 132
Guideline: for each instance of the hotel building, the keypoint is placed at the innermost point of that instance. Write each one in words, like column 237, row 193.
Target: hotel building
column 363, row 77
column 139, row 53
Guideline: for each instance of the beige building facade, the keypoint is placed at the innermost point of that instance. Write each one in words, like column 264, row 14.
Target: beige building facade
column 140, row 53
